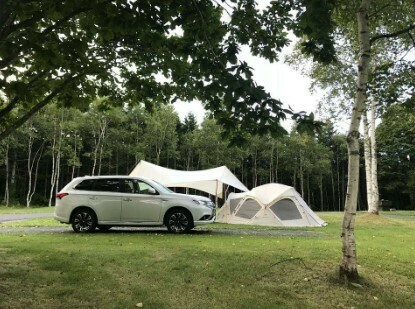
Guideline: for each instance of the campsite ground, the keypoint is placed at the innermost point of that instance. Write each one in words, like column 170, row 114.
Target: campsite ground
column 220, row 266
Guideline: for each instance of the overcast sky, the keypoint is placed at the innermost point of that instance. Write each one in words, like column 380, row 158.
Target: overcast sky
column 282, row 81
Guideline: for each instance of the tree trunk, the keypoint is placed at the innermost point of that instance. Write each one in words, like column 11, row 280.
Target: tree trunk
column 276, row 166
column 321, row 192
column 368, row 159
column 74, row 157
column 271, row 164
column 13, row 177
column 333, row 189
column 6, row 189
column 30, row 165
column 302, row 178
column 255, row 175
column 53, row 173
column 39, row 153
column 348, row 267
column 29, row 168
column 99, row 139
column 374, row 206
column 339, row 191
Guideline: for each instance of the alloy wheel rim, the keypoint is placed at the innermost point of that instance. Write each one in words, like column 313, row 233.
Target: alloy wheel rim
column 83, row 221
column 178, row 222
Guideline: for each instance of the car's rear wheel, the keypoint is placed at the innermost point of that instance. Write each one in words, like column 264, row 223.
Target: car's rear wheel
column 104, row 228
column 84, row 221
column 179, row 221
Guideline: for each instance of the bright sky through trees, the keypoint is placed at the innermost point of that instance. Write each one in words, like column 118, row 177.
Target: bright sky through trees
column 282, row 81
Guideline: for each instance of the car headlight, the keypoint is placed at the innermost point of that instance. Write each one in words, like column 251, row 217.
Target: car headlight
column 205, row 203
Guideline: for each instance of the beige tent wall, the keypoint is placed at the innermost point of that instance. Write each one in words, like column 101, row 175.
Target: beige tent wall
column 286, row 198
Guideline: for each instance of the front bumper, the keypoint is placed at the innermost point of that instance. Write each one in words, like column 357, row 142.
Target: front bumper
column 206, row 219
column 204, row 222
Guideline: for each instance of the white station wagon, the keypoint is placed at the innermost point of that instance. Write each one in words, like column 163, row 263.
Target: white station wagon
column 107, row 201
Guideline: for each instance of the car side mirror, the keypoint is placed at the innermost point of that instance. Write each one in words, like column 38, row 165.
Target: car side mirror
column 151, row 191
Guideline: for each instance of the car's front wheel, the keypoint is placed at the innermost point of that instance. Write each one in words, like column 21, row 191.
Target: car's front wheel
column 84, row 221
column 179, row 221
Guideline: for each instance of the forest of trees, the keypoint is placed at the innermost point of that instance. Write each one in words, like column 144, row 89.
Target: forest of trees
column 61, row 143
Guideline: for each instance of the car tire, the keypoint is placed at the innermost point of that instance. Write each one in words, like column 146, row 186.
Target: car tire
column 84, row 221
column 104, row 228
column 179, row 221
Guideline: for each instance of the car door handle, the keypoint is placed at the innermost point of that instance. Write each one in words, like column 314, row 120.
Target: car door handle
column 93, row 198
column 164, row 200
column 127, row 199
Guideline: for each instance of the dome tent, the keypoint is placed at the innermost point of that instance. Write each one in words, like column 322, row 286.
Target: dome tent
column 271, row 205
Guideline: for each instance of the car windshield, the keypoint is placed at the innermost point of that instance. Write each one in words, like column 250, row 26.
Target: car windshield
column 160, row 187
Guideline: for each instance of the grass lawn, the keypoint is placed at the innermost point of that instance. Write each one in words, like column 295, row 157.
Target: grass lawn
column 208, row 269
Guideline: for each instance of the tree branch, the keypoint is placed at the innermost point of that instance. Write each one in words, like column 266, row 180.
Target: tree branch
column 33, row 20
column 68, row 17
column 391, row 35
column 15, row 100
column 10, row 128
column 380, row 10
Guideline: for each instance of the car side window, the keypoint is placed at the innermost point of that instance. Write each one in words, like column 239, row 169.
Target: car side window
column 145, row 188
column 131, row 186
column 107, row 185
column 137, row 186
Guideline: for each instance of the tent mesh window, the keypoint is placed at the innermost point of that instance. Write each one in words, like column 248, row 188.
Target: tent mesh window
column 248, row 209
column 234, row 203
column 286, row 209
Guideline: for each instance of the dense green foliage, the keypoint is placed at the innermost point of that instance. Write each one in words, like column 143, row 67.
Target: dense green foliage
column 391, row 79
column 65, row 143
column 150, row 52
column 396, row 141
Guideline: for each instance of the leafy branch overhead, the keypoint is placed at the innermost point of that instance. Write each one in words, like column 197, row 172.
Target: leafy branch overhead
column 150, row 52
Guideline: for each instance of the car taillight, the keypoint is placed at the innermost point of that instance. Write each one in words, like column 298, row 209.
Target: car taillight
column 61, row 195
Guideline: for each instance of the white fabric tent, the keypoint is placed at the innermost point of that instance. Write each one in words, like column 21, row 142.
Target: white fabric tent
column 271, row 205
column 209, row 181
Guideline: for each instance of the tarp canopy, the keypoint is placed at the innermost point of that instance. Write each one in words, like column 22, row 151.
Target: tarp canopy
column 271, row 205
column 209, row 181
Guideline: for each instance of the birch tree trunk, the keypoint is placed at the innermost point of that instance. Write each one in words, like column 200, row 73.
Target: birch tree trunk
column 302, row 177
column 74, row 156
column 277, row 166
column 255, row 174
column 12, row 189
column 53, row 173
column 6, row 199
column 30, row 165
column 271, row 164
column 374, row 206
column 348, row 267
column 368, row 159
column 99, row 140
column 29, row 168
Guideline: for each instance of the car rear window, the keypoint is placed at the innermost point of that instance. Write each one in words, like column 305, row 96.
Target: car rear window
column 86, row 185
